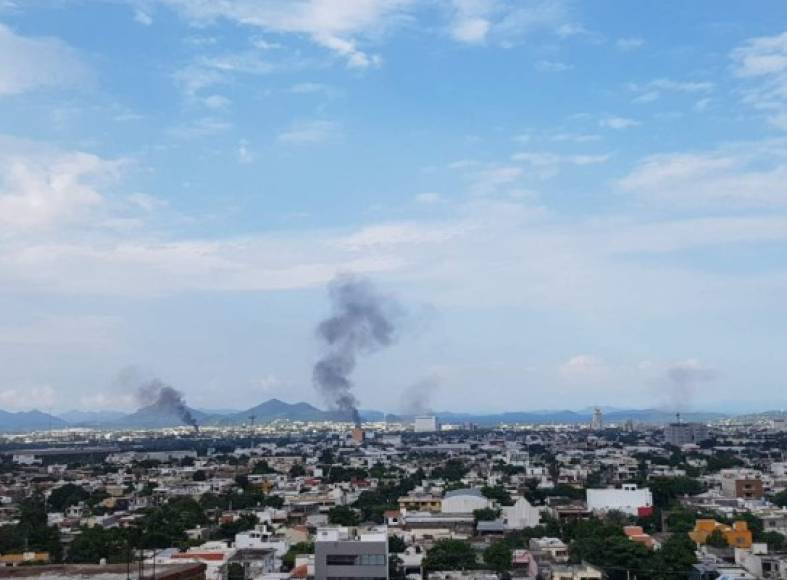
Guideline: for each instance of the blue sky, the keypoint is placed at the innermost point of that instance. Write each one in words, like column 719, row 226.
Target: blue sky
column 575, row 203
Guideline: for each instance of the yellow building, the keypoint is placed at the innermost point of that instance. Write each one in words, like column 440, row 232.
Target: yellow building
column 421, row 503
column 24, row 558
column 737, row 536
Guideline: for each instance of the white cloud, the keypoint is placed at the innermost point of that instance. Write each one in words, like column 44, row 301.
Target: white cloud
column 490, row 179
column 217, row 102
column 28, row 398
column 310, row 132
column 629, row 43
column 583, row 367
column 42, row 188
column 762, row 62
column 63, row 332
column 553, row 66
column 762, row 56
column 545, row 164
column 337, row 25
column 429, row 198
column 478, row 21
column 653, row 90
column 471, row 30
column 576, row 137
column 146, row 202
column 308, row 88
column 142, row 17
column 618, row 123
column 244, row 153
column 742, row 175
column 28, row 64
column 201, row 127
column 390, row 235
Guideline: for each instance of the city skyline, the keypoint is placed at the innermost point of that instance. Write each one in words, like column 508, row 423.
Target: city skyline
column 573, row 204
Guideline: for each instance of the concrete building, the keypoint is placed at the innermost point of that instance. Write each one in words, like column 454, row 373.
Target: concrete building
column 629, row 499
column 679, row 433
column 597, row 422
column 353, row 554
column 426, row 424
column 741, row 483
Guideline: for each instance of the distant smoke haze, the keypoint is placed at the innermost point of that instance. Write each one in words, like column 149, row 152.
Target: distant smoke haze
column 362, row 322
column 417, row 398
column 683, row 379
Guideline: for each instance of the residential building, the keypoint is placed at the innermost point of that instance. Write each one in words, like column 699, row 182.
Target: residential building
column 344, row 553
column 628, row 499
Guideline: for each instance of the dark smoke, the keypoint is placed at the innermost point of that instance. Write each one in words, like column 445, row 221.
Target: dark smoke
column 684, row 377
column 162, row 397
column 361, row 324
column 417, row 398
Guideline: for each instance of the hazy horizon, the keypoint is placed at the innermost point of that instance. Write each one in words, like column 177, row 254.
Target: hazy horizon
column 571, row 204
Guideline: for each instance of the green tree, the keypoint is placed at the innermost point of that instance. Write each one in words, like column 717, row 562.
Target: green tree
column 675, row 558
column 396, row 545
column 93, row 544
column 485, row 514
column 288, row 560
column 497, row 493
column 66, row 496
column 780, row 499
column 199, row 475
column 452, row 470
column 165, row 526
column 297, row 470
column 32, row 529
column 716, row 539
column 498, row 557
column 450, row 555
column 262, row 467
column 666, row 490
column 774, row 540
column 342, row 515
column 241, row 524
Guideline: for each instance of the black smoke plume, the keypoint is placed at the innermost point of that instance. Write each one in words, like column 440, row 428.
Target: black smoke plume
column 361, row 323
column 166, row 399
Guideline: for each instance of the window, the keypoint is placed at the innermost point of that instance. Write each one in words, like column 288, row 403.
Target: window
column 372, row 560
column 340, row 559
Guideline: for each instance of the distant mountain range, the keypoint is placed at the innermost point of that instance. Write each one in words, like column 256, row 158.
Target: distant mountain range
column 275, row 409
column 29, row 421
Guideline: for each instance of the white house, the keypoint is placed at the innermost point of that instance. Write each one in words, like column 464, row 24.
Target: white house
column 628, row 499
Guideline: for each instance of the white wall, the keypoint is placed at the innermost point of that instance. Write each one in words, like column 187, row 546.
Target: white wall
column 625, row 500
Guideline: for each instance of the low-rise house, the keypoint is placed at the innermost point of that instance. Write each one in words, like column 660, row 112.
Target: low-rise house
column 737, row 536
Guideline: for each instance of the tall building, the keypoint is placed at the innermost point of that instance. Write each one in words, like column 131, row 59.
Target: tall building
column 426, row 424
column 597, row 422
column 683, row 433
column 341, row 553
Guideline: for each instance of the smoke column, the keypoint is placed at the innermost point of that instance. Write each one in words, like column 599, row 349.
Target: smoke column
column 361, row 323
column 417, row 398
column 161, row 396
column 684, row 377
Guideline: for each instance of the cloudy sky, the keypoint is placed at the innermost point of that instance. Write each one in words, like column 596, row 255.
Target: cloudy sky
column 575, row 203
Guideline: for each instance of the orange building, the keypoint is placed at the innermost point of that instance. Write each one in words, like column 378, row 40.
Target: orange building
column 637, row 534
column 737, row 536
